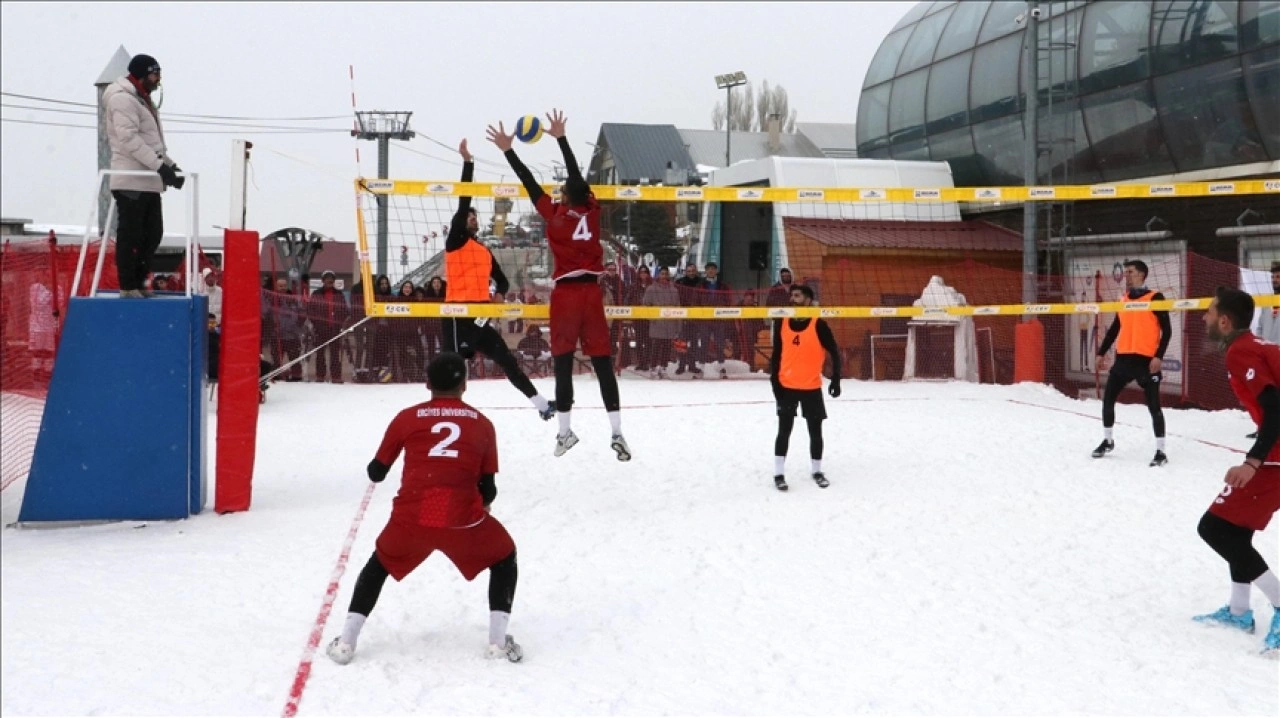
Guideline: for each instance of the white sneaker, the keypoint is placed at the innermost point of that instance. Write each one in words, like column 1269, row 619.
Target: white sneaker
column 509, row 650
column 564, row 442
column 619, row 445
column 341, row 653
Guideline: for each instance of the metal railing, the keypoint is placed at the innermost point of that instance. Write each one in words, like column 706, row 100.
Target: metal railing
column 193, row 224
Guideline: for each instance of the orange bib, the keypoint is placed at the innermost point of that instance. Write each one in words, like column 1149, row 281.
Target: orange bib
column 802, row 357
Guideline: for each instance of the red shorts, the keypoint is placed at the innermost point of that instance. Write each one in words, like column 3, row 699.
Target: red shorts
column 403, row 545
column 577, row 313
column 1252, row 506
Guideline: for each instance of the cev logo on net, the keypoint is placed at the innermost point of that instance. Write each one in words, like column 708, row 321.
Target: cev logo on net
column 617, row 311
column 396, row 309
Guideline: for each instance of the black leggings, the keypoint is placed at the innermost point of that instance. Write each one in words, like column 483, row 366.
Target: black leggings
column 1235, row 544
column 465, row 337
column 1131, row 367
column 603, row 367
column 502, row 585
column 785, row 424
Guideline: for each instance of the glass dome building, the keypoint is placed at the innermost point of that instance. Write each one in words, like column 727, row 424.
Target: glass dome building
column 1126, row 89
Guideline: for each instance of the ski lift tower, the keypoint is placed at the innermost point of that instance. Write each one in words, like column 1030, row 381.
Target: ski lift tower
column 383, row 126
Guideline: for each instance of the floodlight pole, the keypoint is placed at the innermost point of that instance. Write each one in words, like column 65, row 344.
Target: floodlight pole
column 383, row 126
column 728, row 82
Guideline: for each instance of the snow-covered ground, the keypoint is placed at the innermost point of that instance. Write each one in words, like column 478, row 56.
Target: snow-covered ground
column 968, row 558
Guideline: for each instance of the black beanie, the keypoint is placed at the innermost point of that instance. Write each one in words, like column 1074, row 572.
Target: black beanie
column 446, row 372
column 142, row 65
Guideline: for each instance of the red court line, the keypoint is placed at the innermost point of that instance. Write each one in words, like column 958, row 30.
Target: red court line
column 317, row 630
column 1094, row 416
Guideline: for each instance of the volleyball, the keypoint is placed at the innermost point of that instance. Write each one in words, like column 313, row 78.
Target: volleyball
column 529, row 129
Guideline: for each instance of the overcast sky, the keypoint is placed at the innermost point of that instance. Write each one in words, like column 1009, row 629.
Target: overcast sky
column 457, row 66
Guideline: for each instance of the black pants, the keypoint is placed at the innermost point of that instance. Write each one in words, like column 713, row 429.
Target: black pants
column 332, row 367
column 463, row 336
column 1129, row 368
column 138, row 237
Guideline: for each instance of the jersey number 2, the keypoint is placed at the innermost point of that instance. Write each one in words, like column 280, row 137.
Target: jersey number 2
column 442, row 449
column 583, row 232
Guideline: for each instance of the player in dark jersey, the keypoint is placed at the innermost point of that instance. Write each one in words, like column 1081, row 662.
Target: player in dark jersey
column 1252, row 493
column 469, row 269
column 577, row 302
column 450, row 459
column 795, row 371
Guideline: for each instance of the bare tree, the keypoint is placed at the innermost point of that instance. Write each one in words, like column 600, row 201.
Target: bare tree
column 773, row 101
column 749, row 112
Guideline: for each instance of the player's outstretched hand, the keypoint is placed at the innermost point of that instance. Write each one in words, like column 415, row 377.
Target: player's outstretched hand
column 462, row 150
column 834, row 389
column 555, row 123
column 499, row 137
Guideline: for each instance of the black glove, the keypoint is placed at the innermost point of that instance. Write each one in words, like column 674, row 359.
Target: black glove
column 378, row 471
column 169, row 175
column 834, row 388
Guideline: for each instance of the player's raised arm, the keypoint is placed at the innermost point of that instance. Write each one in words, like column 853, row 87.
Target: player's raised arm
column 458, row 233
column 499, row 137
column 556, row 128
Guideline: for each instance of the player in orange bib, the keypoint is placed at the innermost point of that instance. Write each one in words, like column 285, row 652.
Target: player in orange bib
column 1141, row 339
column 795, row 370
column 470, row 270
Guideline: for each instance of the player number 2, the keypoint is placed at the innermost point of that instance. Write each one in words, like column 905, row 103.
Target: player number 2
column 442, row 449
column 583, row 232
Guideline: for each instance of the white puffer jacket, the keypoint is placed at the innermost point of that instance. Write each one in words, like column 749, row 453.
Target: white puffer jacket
column 137, row 141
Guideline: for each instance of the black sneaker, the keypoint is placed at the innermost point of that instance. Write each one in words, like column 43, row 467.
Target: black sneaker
column 820, row 479
column 780, row 482
column 1104, row 448
column 1159, row 460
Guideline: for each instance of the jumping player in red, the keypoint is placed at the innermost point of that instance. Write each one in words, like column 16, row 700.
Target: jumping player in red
column 577, row 302
column 451, row 456
column 1252, row 493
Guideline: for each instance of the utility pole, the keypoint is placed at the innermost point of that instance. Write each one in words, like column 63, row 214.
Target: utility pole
column 383, row 126
column 1031, row 148
column 117, row 67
